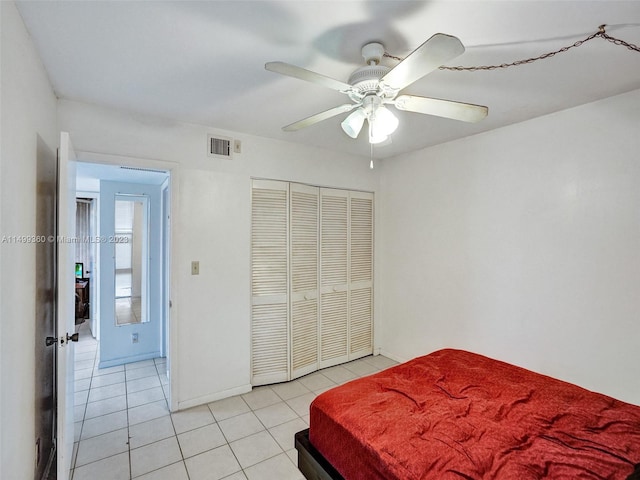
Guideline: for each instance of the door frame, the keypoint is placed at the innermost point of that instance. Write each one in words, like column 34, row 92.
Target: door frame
column 171, row 329
column 165, row 269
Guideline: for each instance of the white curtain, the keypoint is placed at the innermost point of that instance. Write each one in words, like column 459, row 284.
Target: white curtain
column 83, row 231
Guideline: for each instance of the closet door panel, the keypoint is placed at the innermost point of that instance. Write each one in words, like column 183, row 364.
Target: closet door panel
column 304, row 334
column 360, row 274
column 304, row 213
column 361, row 237
column 269, row 344
column 269, row 282
column 334, row 258
column 334, row 328
column 360, row 323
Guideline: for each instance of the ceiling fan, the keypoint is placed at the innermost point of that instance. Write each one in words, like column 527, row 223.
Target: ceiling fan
column 372, row 87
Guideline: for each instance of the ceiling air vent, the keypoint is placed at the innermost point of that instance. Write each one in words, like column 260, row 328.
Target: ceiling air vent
column 140, row 169
column 219, row 147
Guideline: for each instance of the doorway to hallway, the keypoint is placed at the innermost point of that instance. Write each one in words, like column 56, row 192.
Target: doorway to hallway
column 130, row 271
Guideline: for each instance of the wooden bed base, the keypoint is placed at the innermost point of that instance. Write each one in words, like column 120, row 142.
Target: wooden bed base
column 315, row 467
column 311, row 462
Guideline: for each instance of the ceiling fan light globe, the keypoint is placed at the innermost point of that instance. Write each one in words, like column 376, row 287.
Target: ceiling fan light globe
column 385, row 122
column 376, row 135
column 378, row 139
column 353, row 123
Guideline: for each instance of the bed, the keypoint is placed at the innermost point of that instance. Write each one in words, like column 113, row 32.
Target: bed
column 458, row 415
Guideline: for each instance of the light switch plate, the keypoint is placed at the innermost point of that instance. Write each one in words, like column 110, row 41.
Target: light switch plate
column 195, row 268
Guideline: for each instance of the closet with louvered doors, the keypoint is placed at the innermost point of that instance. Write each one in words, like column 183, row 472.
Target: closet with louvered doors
column 329, row 271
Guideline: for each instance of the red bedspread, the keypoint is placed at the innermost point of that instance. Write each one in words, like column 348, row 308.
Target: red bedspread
column 457, row 415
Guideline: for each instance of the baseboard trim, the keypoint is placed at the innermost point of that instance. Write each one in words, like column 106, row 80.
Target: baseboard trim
column 131, row 359
column 194, row 402
column 392, row 356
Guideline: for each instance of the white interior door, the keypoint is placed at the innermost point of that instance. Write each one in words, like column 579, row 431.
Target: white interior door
column 65, row 301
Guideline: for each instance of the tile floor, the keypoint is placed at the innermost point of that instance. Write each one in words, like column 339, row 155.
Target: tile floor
column 124, row 429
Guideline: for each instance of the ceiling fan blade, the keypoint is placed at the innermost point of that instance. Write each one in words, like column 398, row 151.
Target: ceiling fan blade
column 465, row 112
column 319, row 117
column 433, row 53
column 307, row 75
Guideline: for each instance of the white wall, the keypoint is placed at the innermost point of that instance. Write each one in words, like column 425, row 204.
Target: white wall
column 28, row 110
column 212, row 225
column 522, row 244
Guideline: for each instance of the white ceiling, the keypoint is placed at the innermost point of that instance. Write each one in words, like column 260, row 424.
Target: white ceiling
column 203, row 62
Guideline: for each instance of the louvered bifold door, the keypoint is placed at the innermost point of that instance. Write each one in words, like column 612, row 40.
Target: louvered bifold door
column 360, row 274
column 334, row 237
column 269, row 282
column 303, row 216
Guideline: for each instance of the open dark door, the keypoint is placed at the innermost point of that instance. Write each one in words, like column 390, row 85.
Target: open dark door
column 45, row 311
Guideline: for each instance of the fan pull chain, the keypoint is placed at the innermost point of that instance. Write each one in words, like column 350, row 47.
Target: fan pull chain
column 600, row 33
column 371, row 156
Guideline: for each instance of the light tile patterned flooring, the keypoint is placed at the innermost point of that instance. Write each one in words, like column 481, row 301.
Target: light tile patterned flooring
column 124, row 429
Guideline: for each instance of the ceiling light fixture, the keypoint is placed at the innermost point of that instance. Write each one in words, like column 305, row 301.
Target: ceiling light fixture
column 382, row 122
column 353, row 123
column 374, row 85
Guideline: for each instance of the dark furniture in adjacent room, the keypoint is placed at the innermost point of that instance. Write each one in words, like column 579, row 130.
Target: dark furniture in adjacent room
column 82, row 299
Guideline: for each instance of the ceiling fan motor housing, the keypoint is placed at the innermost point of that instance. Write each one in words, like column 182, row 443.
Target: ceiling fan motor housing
column 369, row 74
column 366, row 80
